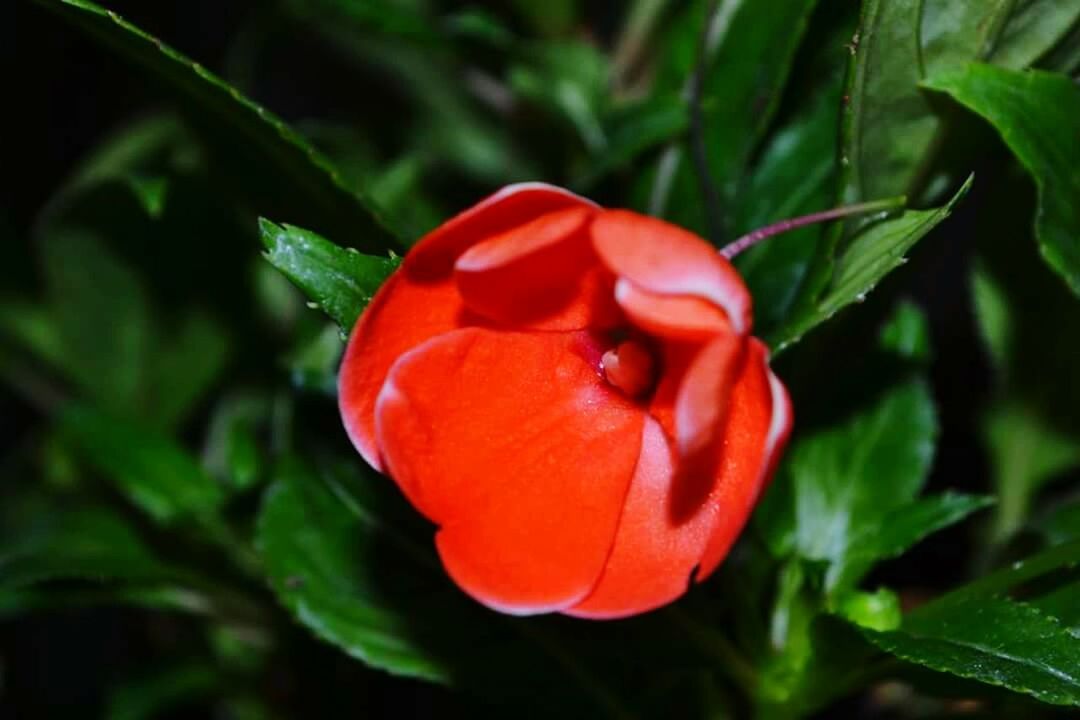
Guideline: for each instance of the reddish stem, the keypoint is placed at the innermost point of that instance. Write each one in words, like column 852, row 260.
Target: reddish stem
column 754, row 237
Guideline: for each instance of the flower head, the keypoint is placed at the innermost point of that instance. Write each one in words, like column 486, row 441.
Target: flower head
column 573, row 396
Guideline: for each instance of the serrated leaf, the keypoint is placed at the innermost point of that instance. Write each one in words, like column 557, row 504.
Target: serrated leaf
column 290, row 177
column 88, row 543
column 993, row 640
column 339, row 281
column 1038, row 116
column 157, row 475
column 873, row 253
column 347, row 568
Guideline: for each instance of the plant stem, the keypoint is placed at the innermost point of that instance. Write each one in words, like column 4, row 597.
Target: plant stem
column 753, row 238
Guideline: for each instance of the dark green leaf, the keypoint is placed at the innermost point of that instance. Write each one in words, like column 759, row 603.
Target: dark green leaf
column 907, row 333
column 1038, row 116
column 103, row 317
column 745, row 61
column 873, row 253
column 232, row 451
column 995, row 641
column 149, row 468
column 1061, row 524
column 89, row 543
column 297, row 181
column 795, row 175
column 161, row 691
column 340, row 281
column 344, row 563
column 1027, row 452
column 191, row 360
column 1033, row 27
column 994, row 316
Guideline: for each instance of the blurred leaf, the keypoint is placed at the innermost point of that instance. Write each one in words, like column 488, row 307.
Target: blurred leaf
column 1026, row 452
column 1010, row 33
column 570, row 78
column 873, row 253
column 844, row 481
column 994, row 316
column 907, row 333
column 879, row 610
column 900, row 529
column 313, row 365
column 995, row 641
column 232, row 451
column 103, row 318
column 344, row 564
column 632, row 130
column 1033, row 28
column 295, row 180
column 795, row 175
column 1038, row 116
column 158, row 476
column 338, row 280
column 191, row 360
column 1065, row 58
column 1061, row 524
column 90, row 543
column 161, row 691
column 746, row 56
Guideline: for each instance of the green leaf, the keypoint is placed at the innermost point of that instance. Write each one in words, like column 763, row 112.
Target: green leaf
column 995, row 641
column 879, row 610
column 746, row 59
column 158, row 476
column 341, row 558
column 89, row 543
column 156, row 693
column 103, row 318
column 1064, row 604
column 888, row 121
column 1061, row 524
column 193, row 356
column 338, row 280
column 898, row 531
column 1033, row 28
column 232, row 451
column 907, row 334
column 873, row 253
column 843, row 482
column 275, row 163
column 1038, row 116
column 994, row 316
column 1026, row 452
column 795, row 175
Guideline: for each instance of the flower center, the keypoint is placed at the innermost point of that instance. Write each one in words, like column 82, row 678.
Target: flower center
column 629, row 366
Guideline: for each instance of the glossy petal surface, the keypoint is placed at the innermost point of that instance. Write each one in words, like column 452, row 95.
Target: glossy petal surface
column 433, row 257
column 523, row 455
column 655, row 551
column 679, row 317
column 665, row 259
column 540, row 275
column 403, row 314
column 742, row 455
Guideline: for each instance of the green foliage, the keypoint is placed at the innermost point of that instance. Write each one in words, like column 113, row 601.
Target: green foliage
column 340, row 281
column 1038, row 116
column 172, row 445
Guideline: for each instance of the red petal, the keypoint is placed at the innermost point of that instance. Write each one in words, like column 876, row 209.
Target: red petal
column 655, row 551
column 665, row 259
column 403, row 314
column 433, row 257
column 751, row 427
column 704, row 395
column 533, row 275
column 520, row 452
column 680, row 317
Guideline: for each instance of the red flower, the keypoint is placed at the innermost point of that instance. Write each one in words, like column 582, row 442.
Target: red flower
column 572, row 395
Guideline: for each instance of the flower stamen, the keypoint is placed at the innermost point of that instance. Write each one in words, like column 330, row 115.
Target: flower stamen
column 629, row 366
